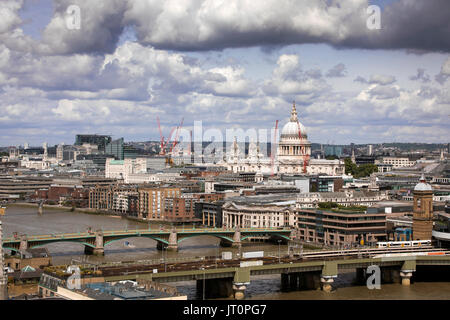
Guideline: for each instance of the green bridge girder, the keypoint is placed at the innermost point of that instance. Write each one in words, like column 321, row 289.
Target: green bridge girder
column 159, row 236
column 328, row 268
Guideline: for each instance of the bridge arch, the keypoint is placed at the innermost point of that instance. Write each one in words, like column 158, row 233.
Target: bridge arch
column 83, row 243
column 264, row 234
column 221, row 237
column 118, row 238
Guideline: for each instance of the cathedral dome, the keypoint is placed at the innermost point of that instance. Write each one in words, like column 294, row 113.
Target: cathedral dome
column 422, row 185
column 294, row 128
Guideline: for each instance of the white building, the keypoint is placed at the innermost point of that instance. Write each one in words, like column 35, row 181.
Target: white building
column 256, row 216
column 34, row 163
column 293, row 155
column 136, row 178
column 397, row 162
column 120, row 169
column 134, row 171
column 346, row 198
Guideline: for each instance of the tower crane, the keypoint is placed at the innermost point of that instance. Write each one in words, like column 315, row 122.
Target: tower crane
column 164, row 143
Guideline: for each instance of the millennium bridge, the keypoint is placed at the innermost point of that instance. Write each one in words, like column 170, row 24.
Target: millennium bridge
column 94, row 241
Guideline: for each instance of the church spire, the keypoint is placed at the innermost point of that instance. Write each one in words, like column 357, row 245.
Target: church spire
column 294, row 117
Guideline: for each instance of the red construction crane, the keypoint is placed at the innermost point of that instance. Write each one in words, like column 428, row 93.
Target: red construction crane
column 161, row 152
column 305, row 155
column 177, row 135
column 165, row 143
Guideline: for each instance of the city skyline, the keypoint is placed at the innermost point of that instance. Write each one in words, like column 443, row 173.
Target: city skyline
column 236, row 66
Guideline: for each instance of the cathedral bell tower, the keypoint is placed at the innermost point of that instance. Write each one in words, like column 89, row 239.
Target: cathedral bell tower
column 422, row 210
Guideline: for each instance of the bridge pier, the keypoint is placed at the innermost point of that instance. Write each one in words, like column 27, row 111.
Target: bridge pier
column 406, row 272
column 236, row 239
column 99, row 249
column 94, row 251
column 23, row 243
column 329, row 272
column 327, row 282
column 406, row 277
column 239, row 290
column 172, row 243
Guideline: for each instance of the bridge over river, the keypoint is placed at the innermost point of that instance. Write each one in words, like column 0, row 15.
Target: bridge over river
column 309, row 270
column 94, row 242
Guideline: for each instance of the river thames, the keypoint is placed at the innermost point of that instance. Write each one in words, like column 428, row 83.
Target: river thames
column 25, row 220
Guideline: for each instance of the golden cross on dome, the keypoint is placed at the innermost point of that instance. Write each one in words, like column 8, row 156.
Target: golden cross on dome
column 294, row 117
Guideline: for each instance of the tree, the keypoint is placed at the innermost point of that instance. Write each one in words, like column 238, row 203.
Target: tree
column 363, row 170
column 327, row 205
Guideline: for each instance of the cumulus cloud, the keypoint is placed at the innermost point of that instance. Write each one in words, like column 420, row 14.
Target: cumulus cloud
column 290, row 80
column 376, row 79
column 214, row 25
column 9, row 17
column 383, row 92
column 92, row 80
column 100, row 27
column 337, row 71
column 421, row 75
column 442, row 76
column 206, row 25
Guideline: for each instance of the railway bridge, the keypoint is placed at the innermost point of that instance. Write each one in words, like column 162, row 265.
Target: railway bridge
column 311, row 271
column 95, row 241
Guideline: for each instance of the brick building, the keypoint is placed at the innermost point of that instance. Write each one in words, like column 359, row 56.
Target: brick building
column 183, row 208
column 152, row 201
column 75, row 195
column 122, row 199
column 36, row 258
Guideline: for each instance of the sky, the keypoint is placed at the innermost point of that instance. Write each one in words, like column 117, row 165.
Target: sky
column 229, row 64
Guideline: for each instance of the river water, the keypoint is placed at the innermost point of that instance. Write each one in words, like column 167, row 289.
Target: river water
column 25, row 220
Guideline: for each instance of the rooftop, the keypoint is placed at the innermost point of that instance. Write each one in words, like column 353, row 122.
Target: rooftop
column 123, row 290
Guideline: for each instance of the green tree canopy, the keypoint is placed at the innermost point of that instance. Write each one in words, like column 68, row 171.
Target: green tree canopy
column 360, row 171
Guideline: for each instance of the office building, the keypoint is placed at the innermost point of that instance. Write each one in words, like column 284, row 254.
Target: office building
column 340, row 227
column 100, row 140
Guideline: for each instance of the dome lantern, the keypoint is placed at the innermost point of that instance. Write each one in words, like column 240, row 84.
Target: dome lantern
column 422, row 185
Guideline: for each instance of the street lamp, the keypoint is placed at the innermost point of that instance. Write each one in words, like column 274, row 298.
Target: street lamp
column 217, row 254
column 204, row 274
column 279, row 251
column 165, row 262
column 164, row 257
